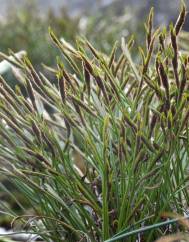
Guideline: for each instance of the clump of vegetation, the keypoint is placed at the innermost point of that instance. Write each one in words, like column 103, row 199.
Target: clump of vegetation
column 104, row 153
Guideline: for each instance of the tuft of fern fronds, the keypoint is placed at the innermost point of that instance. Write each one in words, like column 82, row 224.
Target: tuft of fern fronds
column 106, row 148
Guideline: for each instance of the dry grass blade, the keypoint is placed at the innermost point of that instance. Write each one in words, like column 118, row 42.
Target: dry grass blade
column 173, row 238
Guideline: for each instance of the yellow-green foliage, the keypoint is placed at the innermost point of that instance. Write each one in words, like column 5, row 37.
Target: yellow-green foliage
column 128, row 124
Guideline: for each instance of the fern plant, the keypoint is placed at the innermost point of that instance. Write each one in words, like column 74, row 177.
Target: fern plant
column 104, row 151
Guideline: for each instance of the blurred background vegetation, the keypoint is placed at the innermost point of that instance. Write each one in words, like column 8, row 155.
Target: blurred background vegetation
column 24, row 24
